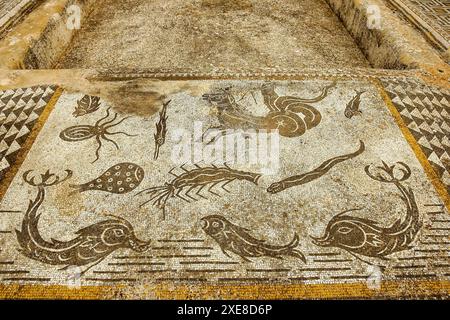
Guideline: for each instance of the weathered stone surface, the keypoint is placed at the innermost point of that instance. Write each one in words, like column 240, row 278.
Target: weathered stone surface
column 209, row 34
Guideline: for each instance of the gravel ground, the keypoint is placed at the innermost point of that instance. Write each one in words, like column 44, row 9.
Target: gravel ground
column 206, row 34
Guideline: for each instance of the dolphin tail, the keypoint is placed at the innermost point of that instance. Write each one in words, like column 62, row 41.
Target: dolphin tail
column 291, row 251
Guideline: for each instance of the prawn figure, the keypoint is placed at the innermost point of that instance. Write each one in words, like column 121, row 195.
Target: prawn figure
column 198, row 178
column 100, row 130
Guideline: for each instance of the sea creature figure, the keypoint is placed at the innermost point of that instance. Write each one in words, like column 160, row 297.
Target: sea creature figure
column 161, row 130
column 196, row 178
column 91, row 245
column 365, row 237
column 352, row 108
column 236, row 239
column 315, row 174
column 100, row 130
column 87, row 104
column 120, row 179
column 283, row 112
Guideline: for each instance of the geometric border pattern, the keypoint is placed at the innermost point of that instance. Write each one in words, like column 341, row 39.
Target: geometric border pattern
column 426, row 112
column 19, row 111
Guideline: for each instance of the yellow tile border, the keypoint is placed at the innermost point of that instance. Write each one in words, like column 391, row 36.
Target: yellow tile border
column 388, row 290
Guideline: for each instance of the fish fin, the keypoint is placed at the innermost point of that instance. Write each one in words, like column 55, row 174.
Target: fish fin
column 297, row 254
column 90, row 243
column 396, row 224
column 19, row 235
column 225, row 253
column 64, row 268
column 245, row 258
column 294, row 242
column 243, row 233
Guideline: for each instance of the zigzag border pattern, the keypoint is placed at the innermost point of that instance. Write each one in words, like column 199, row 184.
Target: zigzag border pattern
column 19, row 111
column 426, row 112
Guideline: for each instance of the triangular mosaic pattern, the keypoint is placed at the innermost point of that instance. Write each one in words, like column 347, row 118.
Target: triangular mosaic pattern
column 426, row 112
column 19, row 110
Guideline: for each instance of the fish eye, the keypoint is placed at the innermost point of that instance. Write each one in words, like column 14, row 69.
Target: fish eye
column 344, row 230
column 215, row 224
column 118, row 232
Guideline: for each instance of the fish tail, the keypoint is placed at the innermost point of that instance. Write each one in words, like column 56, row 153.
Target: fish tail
column 30, row 232
column 409, row 199
column 327, row 165
column 291, row 251
column 294, row 243
column 297, row 254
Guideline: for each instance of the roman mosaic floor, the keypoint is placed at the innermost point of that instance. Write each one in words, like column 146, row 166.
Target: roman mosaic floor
column 301, row 183
column 93, row 195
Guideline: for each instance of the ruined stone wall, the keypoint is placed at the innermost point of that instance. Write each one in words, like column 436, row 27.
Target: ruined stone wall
column 56, row 36
column 394, row 45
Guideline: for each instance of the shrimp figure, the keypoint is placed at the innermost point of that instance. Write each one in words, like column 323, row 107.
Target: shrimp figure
column 200, row 178
column 99, row 130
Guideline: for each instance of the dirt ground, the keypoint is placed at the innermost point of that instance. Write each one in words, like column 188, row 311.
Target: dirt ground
column 204, row 35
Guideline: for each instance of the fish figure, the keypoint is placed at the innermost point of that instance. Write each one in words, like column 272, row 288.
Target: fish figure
column 120, row 179
column 352, row 108
column 90, row 246
column 362, row 236
column 87, row 104
column 315, row 174
column 161, row 130
column 233, row 238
